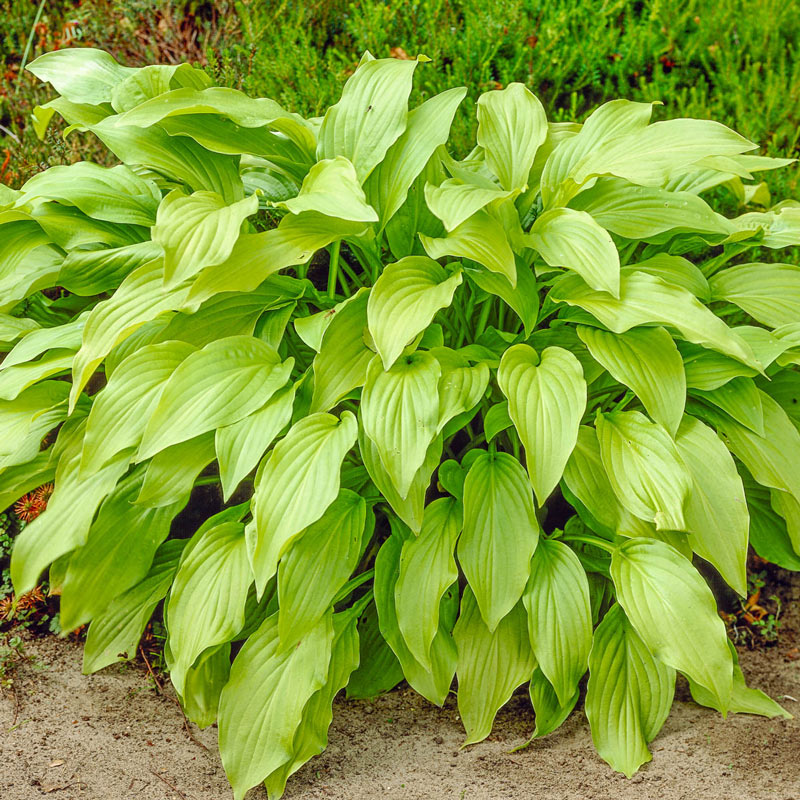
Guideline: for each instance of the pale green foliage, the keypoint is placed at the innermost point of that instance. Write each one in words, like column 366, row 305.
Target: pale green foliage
column 474, row 416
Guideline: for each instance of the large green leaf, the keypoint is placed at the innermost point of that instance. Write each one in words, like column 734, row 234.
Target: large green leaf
column 117, row 555
column 399, row 413
column 500, row 534
column 427, row 570
column 298, row 480
column 511, row 127
column 318, row 564
column 261, row 706
column 644, row 468
column 218, row 385
column 629, row 693
column 207, row 602
column 404, row 300
column 481, row 238
column 89, row 272
column 559, row 616
column 770, row 293
column 370, row 116
column 568, row 238
column 121, row 410
column 716, row 509
column 550, row 713
column 647, row 300
column 491, row 664
column 455, row 201
column 239, row 446
column 647, row 361
column 198, row 230
column 740, row 398
column 428, row 127
column 673, row 611
column 461, row 386
column 15, row 379
column 522, row 298
column 546, row 400
column 114, row 634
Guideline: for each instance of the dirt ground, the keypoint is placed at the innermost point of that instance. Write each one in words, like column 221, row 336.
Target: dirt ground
column 111, row 736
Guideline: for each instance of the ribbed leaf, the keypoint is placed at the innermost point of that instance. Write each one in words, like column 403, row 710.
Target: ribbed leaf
column 550, row 713
column 647, row 361
column 261, row 706
column 568, row 238
column 461, row 386
column 674, row 612
column 218, row 385
column 546, row 400
column 404, row 300
column 629, row 693
column 481, row 238
column 491, row 664
column 511, row 126
column 89, row 272
column 318, row 564
column 427, row 570
column 644, row 468
column 716, row 511
column 399, row 412
column 370, row 116
column 522, row 298
column 646, row 300
column 770, row 293
column 740, row 398
column 559, row 616
column 298, row 480
column 454, row 201
column 500, row 534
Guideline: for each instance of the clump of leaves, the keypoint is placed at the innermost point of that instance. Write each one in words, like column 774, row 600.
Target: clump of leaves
column 468, row 419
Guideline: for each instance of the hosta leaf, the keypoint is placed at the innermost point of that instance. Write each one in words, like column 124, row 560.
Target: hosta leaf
column 197, row 230
column 157, row 79
column 139, row 299
column 511, row 126
column 121, row 410
column 432, row 682
column 629, row 693
column 318, row 564
column 207, row 602
column 298, row 481
column 114, row 634
column 454, row 201
column 218, row 385
column 500, row 534
column 262, row 704
column 311, row 737
column 522, row 298
column 22, row 478
column 15, row 379
column 568, row 238
column 343, row 358
column 427, row 570
column 496, row 420
column 741, row 399
column 481, row 238
column 404, row 300
column 461, row 386
column 117, row 555
column 550, row 713
column 716, row 509
column 559, row 616
column 428, row 127
column 172, row 472
column 491, row 664
column 744, row 700
column 331, row 188
column 203, row 685
column 647, row 361
column 546, row 400
column 673, row 611
column 647, row 300
column 113, row 194
column 708, row 370
column 409, row 508
column 399, row 412
column 81, row 74
column 89, row 272
column 644, row 467
column 370, row 116
column 239, row 446
column 677, row 271
column 20, row 418
column 640, row 212
column 770, row 293
column 378, row 670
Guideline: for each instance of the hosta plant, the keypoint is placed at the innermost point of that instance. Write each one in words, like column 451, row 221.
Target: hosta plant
column 358, row 411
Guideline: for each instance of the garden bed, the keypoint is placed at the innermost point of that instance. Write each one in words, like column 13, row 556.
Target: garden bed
column 113, row 735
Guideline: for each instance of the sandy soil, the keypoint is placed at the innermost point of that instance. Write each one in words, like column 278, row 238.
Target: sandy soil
column 111, row 736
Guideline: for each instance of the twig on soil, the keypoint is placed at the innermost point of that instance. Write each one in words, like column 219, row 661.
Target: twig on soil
column 159, row 687
column 174, row 789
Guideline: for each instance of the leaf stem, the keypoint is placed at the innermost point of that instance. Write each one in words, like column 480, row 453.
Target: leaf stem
column 32, row 33
column 333, row 268
column 595, row 541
